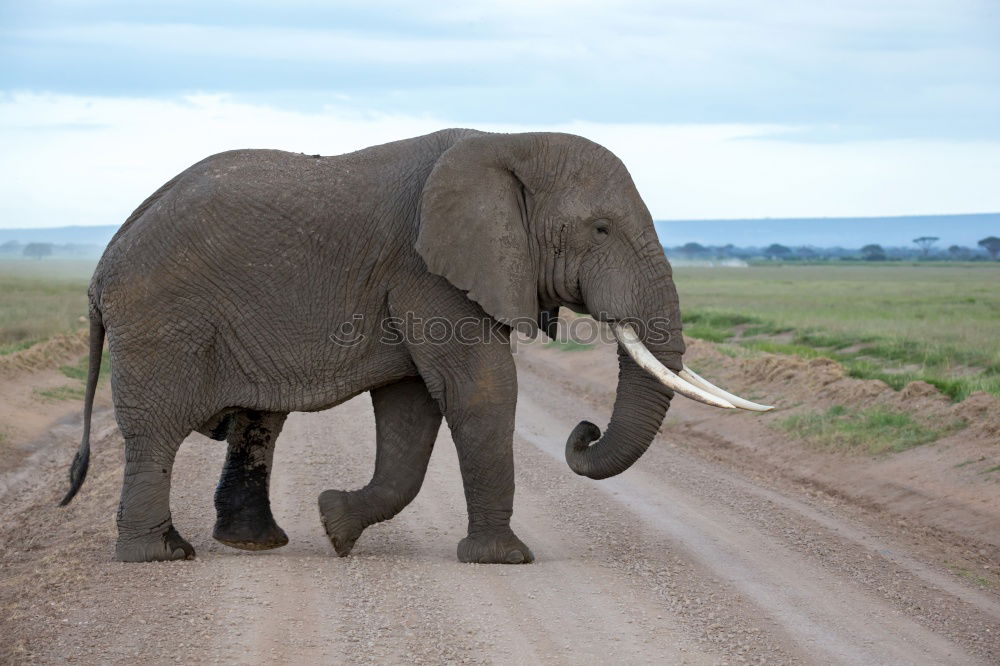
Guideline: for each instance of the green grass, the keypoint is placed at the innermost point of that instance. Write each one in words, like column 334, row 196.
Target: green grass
column 874, row 430
column 772, row 347
column 718, row 326
column 79, row 371
column 39, row 299
column 20, row 345
column 707, row 333
column 569, row 345
column 897, row 322
column 978, row 579
column 61, row 393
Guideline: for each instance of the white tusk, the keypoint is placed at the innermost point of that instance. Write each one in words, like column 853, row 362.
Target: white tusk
column 693, row 377
column 644, row 358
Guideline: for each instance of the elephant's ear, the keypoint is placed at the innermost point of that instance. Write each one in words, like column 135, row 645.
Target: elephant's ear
column 474, row 229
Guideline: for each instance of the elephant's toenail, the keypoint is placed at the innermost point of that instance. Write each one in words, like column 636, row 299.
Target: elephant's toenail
column 515, row 557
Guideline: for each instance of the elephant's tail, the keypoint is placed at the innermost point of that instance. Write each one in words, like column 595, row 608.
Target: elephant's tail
column 78, row 472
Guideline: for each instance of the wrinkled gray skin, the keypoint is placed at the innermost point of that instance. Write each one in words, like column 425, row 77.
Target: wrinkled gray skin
column 219, row 296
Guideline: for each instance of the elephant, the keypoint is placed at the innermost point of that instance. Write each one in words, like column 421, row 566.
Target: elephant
column 261, row 282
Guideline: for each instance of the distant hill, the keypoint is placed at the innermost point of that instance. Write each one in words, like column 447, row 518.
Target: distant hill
column 850, row 232
column 61, row 235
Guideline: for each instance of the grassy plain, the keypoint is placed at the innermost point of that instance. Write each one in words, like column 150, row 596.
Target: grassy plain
column 874, row 430
column 895, row 322
column 939, row 322
column 39, row 299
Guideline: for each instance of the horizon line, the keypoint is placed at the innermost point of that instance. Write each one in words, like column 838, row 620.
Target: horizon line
column 692, row 219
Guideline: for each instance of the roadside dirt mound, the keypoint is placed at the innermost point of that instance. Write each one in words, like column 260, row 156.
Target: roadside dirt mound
column 823, row 382
column 982, row 412
column 820, row 378
column 48, row 354
column 37, row 399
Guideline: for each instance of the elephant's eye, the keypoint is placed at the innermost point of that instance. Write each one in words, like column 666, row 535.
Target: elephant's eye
column 600, row 230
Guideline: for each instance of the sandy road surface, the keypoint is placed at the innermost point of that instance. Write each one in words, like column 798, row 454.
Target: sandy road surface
column 679, row 560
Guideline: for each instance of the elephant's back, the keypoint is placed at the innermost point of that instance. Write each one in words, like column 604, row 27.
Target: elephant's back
column 224, row 266
column 220, row 196
column 260, row 249
column 242, row 211
column 268, row 200
column 251, row 230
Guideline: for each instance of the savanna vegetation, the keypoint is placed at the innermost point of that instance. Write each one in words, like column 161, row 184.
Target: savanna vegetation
column 39, row 299
column 924, row 248
column 937, row 322
column 874, row 430
column 77, row 374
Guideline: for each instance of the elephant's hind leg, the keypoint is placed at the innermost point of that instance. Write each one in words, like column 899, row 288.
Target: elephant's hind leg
column 407, row 420
column 242, row 505
column 145, row 529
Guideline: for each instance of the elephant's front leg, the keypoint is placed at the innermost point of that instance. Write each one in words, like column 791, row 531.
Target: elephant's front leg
column 480, row 413
column 471, row 375
column 242, row 505
column 407, row 421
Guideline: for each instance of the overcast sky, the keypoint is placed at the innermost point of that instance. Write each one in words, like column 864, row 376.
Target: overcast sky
column 720, row 108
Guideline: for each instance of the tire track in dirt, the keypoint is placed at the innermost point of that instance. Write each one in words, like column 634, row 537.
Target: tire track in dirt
column 929, row 594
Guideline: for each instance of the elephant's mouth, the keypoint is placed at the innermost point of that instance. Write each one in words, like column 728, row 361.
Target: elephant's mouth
column 687, row 382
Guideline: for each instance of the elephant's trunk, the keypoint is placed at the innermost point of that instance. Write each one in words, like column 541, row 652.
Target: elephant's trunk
column 641, row 402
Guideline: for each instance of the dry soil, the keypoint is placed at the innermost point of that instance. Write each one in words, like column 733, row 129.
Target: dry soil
column 726, row 543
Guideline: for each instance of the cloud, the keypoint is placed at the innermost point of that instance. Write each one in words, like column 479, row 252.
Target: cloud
column 889, row 68
column 295, row 44
column 69, row 159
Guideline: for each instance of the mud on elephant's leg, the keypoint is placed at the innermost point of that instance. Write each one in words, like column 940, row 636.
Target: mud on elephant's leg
column 407, row 421
column 242, row 504
column 145, row 529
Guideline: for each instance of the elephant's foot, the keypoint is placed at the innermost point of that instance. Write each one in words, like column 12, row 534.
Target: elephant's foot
column 156, row 547
column 498, row 547
column 249, row 531
column 342, row 524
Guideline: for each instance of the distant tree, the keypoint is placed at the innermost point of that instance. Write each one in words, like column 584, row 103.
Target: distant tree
column 37, row 250
column 925, row 243
column 991, row 244
column 838, row 253
column 806, row 252
column 10, row 247
column 777, row 251
column 958, row 252
column 693, row 249
column 873, row 252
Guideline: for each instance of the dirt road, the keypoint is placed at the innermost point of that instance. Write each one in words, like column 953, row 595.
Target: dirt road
column 679, row 560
